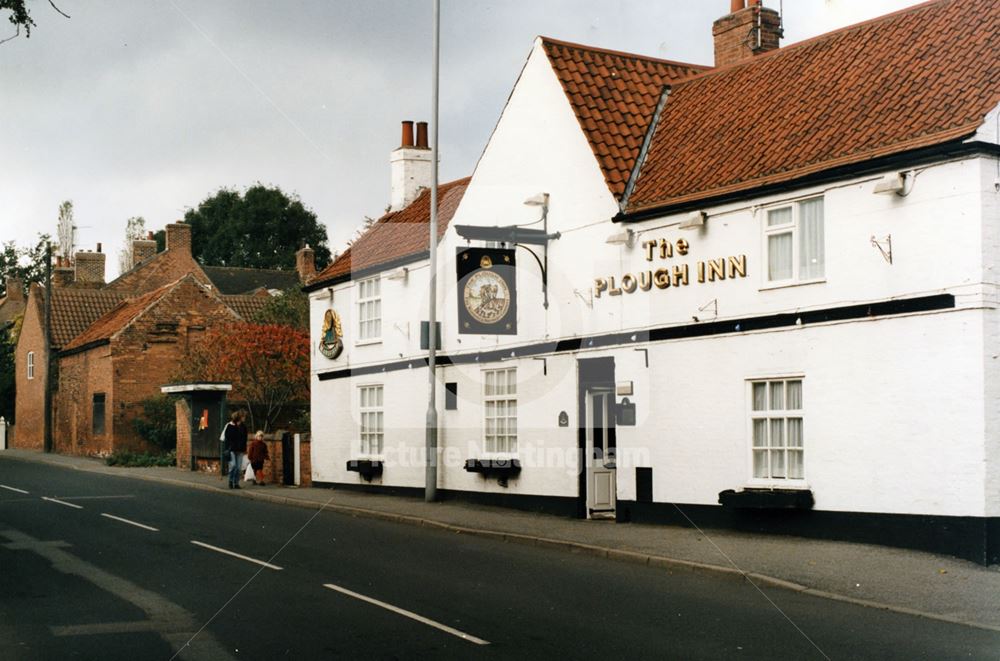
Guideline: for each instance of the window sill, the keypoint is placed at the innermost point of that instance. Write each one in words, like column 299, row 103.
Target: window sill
column 767, row 498
column 364, row 343
column 366, row 468
column 497, row 466
column 785, row 284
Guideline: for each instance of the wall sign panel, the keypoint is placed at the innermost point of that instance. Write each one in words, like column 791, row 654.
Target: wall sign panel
column 487, row 291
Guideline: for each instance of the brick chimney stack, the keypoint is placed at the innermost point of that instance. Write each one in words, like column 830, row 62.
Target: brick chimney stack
column 15, row 289
column 305, row 263
column 90, row 266
column 178, row 237
column 749, row 29
column 411, row 166
column 62, row 274
column 142, row 249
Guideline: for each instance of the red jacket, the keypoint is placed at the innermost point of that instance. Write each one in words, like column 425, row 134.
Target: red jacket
column 257, row 452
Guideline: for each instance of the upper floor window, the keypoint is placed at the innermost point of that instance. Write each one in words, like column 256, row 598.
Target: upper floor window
column 500, row 410
column 31, row 364
column 776, row 429
column 793, row 239
column 369, row 309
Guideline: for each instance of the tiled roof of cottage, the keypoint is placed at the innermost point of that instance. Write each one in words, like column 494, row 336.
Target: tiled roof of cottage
column 397, row 235
column 231, row 280
column 119, row 317
column 613, row 96
column 73, row 310
column 916, row 78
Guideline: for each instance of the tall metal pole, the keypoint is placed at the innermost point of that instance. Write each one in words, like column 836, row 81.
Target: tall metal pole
column 431, row 439
column 47, row 406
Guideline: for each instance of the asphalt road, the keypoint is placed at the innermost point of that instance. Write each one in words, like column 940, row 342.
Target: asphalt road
column 160, row 580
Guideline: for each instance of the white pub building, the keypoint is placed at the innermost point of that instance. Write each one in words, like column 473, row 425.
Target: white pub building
column 760, row 295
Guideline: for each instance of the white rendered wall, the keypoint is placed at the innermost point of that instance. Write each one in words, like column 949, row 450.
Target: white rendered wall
column 990, row 192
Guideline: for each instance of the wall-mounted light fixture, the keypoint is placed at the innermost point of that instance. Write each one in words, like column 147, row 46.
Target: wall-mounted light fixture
column 626, row 238
column 399, row 274
column 694, row 221
column 900, row 183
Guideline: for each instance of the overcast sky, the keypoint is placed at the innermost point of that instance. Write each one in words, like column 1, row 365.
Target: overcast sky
column 147, row 107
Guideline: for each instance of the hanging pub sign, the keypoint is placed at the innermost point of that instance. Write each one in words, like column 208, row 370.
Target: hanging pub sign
column 331, row 338
column 487, row 291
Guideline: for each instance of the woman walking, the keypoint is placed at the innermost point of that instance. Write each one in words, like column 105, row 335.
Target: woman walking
column 236, row 445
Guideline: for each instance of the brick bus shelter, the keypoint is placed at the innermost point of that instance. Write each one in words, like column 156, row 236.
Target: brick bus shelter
column 201, row 415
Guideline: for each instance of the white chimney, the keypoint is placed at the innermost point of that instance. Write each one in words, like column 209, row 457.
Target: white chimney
column 411, row 167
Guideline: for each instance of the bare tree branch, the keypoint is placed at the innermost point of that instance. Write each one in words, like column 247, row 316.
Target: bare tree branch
column 16, row 34
column 59, row 10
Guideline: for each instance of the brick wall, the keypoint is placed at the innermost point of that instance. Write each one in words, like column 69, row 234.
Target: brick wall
column 29, row 404
column 81, row 376
column 183, row 421
column 151, row 350
column 273, row 473
column 142, row 249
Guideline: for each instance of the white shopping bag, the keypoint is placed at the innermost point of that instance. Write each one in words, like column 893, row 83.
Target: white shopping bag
column 248, row 473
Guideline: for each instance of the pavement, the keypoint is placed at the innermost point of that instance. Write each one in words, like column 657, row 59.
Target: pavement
column 928, row 585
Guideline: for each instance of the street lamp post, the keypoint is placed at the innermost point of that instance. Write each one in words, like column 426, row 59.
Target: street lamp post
column 431, row 437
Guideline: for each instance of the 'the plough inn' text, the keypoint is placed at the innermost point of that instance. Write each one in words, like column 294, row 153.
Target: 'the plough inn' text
column 675, row 276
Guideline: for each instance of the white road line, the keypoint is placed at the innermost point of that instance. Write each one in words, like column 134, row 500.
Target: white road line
column 131, row 523
column 62, row 502
column 236, row 555
column 4, row 486
column 409, row 614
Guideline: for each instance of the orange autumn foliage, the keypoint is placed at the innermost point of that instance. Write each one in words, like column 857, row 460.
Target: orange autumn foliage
column 268, row 365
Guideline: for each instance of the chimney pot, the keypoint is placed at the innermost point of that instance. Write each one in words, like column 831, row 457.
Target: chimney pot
column 422, row 135
column 736, row 5
column 407, row 134
column 98, row 247
column 149, row 236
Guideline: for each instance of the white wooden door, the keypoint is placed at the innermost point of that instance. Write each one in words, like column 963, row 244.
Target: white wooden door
column 601, row 471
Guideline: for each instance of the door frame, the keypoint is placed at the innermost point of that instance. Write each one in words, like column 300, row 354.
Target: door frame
column 591, row 373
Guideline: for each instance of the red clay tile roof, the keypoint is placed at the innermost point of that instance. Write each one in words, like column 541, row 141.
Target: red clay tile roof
column 246, row 305
column 118, row 318
column 613, row 96
column 398, row 234
column 919, row 77
column 73, row 310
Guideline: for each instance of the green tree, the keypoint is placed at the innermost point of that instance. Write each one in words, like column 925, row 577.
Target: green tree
column 262, row 228
column 290, row 308
column 20, row 17
column 158, row 422
column 26, row 263
column 7, row 390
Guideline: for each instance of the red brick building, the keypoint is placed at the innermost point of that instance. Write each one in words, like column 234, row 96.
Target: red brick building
column 123, row 358
column 116, row 343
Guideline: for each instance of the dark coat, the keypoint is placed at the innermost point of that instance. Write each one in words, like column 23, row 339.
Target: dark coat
column 236, row 437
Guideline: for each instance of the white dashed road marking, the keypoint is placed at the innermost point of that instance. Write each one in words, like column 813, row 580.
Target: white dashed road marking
column 236, row 555
column 410, row 614
column 62, row 502
column 4, row 486
column 131, row 523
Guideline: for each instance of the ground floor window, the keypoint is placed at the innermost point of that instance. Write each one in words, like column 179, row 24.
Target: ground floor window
column 97, row 412
column 370, row 417
column 500, row 410
column 777, row 435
